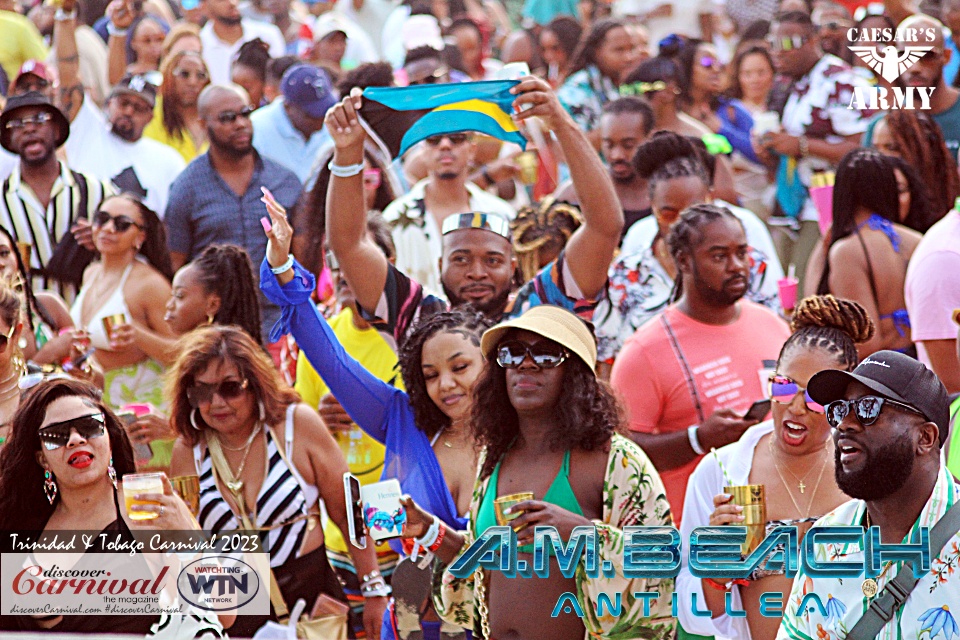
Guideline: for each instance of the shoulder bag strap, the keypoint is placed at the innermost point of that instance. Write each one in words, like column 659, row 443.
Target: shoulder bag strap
column 885, row 606
column 691, row 385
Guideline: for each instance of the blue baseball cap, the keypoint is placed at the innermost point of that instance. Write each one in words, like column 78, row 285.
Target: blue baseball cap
column 308, row 88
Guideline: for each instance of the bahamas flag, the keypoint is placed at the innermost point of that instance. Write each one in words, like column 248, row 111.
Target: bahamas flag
column 403, row 116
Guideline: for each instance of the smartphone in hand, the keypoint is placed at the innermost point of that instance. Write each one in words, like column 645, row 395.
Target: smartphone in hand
column 758, row 410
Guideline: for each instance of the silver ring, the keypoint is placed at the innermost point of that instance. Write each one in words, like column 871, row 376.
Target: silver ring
column 160, row 514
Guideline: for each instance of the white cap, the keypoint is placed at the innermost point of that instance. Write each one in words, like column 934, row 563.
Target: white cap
column 420, row 31
column 329, row 23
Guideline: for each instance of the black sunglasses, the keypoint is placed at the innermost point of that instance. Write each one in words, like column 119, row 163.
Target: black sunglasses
column 439, row 75
column 53, row 436
column 228, row 117
column 454, row 138
column 202, row 393
column 867, row 409
column 121, row 223
column 545, row 355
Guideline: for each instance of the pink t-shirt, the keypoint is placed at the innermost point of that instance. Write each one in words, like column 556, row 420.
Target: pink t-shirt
column 932, row 287
column 725, row 361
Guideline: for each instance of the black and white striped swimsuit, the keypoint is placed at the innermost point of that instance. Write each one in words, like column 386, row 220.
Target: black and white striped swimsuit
column 283, row 496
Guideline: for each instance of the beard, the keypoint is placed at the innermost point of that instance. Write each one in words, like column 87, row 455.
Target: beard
column 885, row 472
column 124, row 131
column 229, row 20
column 716, row 297
column 622, row 178
column 492, row 308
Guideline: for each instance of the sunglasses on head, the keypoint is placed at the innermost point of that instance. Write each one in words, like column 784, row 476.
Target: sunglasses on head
column 454, row 138
column 867, row 409
column 229, row 117
column 121, row 223
column 787, row 43
column 783, row 390
column 545, row 355
column 53, row 436
column 202, row 393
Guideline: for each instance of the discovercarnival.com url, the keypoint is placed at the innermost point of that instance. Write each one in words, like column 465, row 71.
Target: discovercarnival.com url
column 147, row 608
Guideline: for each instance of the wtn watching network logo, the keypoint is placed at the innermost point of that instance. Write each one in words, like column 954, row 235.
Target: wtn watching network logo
column 890, row 63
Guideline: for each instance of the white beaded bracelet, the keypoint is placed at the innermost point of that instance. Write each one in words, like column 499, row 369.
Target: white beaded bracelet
column 347, row 171
column 431, row 535
column 286, row 266
column 116, row 31
column 694, row 440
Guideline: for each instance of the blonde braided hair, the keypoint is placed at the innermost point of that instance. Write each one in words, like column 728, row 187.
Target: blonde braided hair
column 537, row 226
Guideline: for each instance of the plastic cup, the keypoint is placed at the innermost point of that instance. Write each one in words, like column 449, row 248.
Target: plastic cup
column 528, row 167
column 136, row 483
column 504, row 502
column 788, row 292
column 109, row 322
column 26, row 251
column 752, row 498
column 822, row 198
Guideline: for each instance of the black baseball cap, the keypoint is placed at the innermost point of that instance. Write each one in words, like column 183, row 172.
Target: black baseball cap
column 136, row 85
column 891, row 375
column 32, row 99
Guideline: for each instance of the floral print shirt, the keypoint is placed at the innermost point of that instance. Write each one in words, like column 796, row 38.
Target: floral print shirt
column 926, row 614
column 583, row 95
column 633, row 495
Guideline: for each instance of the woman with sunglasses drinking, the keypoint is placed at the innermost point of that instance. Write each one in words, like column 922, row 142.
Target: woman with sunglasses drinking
column 123, row 296
column 264, row 460
column 792, row 456
column 425, row 431
column 176, row 119
column 548, row 428
column 61, row 472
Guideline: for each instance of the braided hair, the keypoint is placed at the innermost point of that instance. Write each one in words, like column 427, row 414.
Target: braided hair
column 832, row 324
column 922, row 147
column 467, row 323
column 687, row 233
column 667, row 155
column 544, row 228
column 225, row 269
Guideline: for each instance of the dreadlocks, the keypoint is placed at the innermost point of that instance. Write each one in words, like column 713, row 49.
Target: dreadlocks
column 687, row 233
column 542, row 230
column 225, row 269
column 833, row 325
column 920, row 143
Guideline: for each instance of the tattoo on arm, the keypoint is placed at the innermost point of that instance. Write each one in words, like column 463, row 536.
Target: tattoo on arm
column 67, row 97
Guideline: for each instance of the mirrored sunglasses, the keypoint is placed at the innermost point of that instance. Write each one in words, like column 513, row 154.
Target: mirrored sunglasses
column 545, row 355
column 20, row 123
column 787, row 43
column 53, row 436
column 867, row 409
column 229, row 117
column 202, row 393
column 783, row 390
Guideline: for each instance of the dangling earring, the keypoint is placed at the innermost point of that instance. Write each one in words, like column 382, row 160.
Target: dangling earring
column 49, row 486
column 193, row 420
column 209, row 318
column 112, row 473
column 263, row 412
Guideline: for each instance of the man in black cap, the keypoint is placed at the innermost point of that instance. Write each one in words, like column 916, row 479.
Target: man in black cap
column 43, row 199
column 890, row 418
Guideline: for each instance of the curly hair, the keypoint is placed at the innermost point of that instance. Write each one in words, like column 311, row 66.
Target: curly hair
column 687, row 233
column 921, row 145
column 22, row 286
column 543, row 228
column 467, row 323
column 219, row 343
column 23, row 505
column 834, row 325
column 587, row 415
column 225, row 269
column 154, row 247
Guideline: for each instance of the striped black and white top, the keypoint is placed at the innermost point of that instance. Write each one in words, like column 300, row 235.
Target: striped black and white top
column 27, row 221
column 283, row 496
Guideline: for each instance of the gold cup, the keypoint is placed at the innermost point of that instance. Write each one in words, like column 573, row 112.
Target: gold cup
column 109, row 322
column 752, row 497
column 26, row 251
column 188, row 488
column 528, row 167
column 504, row 502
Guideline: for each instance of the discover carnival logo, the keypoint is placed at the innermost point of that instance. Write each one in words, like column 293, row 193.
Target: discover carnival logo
column 890, row 62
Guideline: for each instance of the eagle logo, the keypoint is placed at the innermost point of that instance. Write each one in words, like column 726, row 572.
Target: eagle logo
column 891, row 63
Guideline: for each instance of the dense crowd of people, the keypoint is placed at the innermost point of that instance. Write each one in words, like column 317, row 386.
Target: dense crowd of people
column 721, row 259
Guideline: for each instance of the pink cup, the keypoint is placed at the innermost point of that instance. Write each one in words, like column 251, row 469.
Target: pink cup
column 823, row 200
column 138, row 409
column 788, row 292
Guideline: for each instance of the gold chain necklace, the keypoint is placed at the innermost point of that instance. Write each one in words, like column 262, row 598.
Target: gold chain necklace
column 236, row 483
column 870, row 586
column 800, row 481
column 816, row 487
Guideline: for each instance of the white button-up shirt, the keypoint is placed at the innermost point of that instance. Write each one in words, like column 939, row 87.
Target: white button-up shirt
column 219, row 55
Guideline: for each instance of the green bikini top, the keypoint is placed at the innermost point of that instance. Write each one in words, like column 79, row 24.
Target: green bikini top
column 560, row 494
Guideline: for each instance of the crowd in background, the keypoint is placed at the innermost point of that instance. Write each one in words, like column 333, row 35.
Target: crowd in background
column 197, row 233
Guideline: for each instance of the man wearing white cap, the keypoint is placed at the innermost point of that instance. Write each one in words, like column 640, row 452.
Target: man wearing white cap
column 340, row 43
